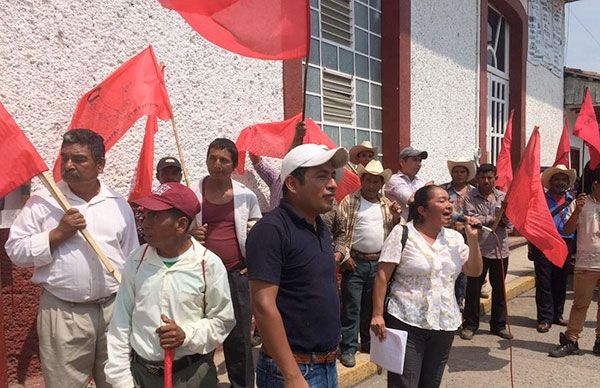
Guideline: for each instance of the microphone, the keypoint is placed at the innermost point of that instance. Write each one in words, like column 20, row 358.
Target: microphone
column 457, row 217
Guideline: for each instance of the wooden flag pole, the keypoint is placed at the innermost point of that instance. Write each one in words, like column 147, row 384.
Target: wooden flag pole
column 186, row 176
column 50, row 184
column 180, row 152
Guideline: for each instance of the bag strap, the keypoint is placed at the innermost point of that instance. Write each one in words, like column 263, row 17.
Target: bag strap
column 404, row 238
column 559, row 208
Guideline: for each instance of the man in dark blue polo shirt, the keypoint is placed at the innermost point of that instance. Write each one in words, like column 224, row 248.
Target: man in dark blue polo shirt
column 292, row 269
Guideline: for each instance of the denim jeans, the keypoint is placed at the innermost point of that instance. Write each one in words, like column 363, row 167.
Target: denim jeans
column 268, row 374
column 357, row 305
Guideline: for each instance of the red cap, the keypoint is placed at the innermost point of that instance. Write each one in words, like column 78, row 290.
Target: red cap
column 171, row 195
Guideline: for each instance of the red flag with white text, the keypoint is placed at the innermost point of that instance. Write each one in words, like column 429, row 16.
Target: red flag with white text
column 264, row 29
column 527, row 207
column 504, row 161
column 134, row 90
column 19, row 160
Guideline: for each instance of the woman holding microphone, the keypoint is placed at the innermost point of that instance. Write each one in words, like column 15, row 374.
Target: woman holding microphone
column 421, row 299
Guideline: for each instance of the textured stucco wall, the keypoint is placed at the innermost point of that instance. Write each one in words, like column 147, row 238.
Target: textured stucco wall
column 444, row 82
column 51, row 52
column 544, row 106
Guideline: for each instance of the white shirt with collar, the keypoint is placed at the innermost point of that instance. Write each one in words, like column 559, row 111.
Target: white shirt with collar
column 422, row 290
column 73, row 272
column 400, row 188
column 150, row 289
column 245, row 210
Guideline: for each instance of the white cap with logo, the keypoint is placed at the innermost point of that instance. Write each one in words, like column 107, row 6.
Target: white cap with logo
column 312, row 155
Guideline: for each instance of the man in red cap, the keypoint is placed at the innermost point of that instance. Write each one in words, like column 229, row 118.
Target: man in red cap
column 174, row 295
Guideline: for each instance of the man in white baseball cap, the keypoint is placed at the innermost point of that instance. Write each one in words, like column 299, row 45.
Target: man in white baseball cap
column 291, row 267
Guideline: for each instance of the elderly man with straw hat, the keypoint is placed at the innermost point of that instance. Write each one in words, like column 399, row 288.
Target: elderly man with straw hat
column 361, row 154
column 369, row 217
column 550, row 280
column 461, row 172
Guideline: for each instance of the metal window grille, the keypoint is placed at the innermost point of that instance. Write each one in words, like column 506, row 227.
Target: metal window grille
column 336, row 21
column 338, row 99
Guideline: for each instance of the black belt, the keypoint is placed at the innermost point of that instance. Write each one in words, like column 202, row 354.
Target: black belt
column 156, row 368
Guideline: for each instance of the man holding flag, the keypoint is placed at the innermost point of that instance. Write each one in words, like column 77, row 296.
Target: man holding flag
column 77, row 298
column 583, row 218
column 175, row 295
column 551, row 280
column 484, row 203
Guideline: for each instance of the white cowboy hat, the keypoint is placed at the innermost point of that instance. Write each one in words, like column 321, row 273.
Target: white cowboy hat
column 558, row 169
column 357, row 149
column 374, row 167
column 468, row 164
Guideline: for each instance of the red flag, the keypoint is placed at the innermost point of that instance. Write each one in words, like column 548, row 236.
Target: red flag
column 19, row 160
column 168, row 368
column 145, row 168
column 264, row 29
column 527, row 208
column 134, row 90
column 274, row 140
column 504, row 161
column 563, row 151
column 349, row 184
column 586, row 128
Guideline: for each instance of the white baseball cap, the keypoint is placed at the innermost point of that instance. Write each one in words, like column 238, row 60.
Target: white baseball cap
column 311, row 155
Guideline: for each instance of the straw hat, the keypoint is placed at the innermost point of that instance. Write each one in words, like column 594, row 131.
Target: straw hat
column 558, row 169
column 468, row 164
column 374, row 167
column 357, row 149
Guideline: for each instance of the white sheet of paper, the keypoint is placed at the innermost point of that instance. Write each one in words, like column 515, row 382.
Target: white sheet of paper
column 389, row 354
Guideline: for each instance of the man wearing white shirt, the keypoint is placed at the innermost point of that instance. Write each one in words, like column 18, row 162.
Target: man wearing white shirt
column 369, row 218
column 174, row 295
column 404, row 184
column 229, row 209
column 77, row 293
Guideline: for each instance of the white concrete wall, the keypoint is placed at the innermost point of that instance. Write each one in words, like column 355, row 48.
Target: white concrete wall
column 52, row 52
column 444, row 82
column 544, row 105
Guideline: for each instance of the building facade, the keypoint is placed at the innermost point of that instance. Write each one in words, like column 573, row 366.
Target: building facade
column 440, row 75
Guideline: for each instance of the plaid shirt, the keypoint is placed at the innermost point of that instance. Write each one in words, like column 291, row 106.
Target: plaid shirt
column 349, row 211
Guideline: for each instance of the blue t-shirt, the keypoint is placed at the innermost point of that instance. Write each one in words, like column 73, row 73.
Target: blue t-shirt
column 283, row 249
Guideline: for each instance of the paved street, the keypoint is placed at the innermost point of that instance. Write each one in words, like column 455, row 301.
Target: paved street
column 484, row 361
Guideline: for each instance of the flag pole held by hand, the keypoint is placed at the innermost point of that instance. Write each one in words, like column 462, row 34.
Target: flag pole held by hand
column 50, row 184
column 168, row 368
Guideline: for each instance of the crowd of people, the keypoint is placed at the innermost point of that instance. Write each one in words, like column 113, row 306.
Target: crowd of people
column 410, row 253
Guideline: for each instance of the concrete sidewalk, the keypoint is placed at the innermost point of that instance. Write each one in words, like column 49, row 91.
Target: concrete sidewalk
column 519, row 279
